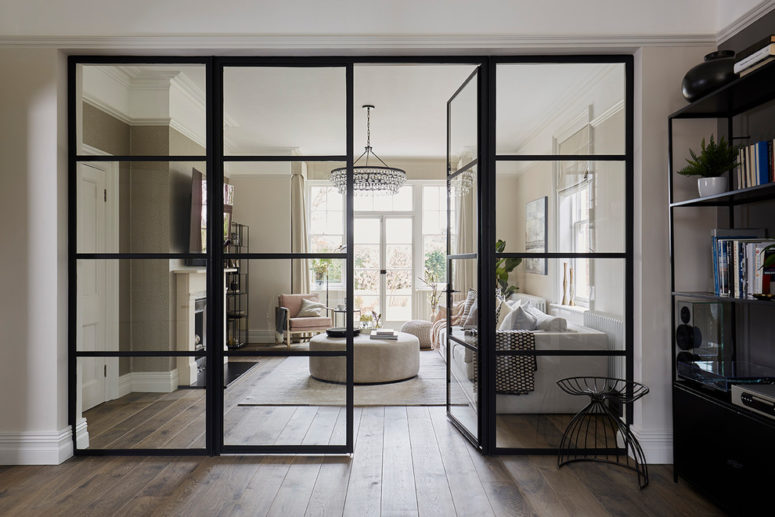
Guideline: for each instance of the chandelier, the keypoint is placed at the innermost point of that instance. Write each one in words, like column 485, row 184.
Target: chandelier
column 375, row 179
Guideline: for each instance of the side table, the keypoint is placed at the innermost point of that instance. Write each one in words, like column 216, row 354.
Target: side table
column 595, row 433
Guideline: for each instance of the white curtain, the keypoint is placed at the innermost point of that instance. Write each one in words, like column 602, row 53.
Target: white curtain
column 464, row 271
column 299, row 271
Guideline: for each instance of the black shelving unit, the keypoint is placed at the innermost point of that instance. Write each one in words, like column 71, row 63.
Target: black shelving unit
column 237, row 287
column 723, row 449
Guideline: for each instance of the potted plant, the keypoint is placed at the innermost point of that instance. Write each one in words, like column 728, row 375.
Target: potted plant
column 714, row 160
column 503, row 267
column 320, row 267
column 431, row 280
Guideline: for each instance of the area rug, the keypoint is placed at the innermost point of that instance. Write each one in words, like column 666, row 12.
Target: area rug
column 289, row 384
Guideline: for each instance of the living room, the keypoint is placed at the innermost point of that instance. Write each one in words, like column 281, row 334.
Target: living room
column 535, row 199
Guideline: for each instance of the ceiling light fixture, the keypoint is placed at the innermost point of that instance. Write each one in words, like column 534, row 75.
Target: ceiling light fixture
column 374, row 179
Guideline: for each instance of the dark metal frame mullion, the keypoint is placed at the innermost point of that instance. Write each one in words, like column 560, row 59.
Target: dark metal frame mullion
column 561, row 157
column 350, row 263
column 629, row 281
column 141, row 353
column 284, row 353
column 138, row 256
column 284, row 158
column 473, row 163
column 281, row 256
column 562, row 352
column 140, row 158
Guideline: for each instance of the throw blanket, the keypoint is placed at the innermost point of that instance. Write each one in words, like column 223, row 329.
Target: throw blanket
column 514, row 374
column 440, row 323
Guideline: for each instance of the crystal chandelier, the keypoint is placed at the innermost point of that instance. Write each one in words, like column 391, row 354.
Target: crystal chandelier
column 374, row 179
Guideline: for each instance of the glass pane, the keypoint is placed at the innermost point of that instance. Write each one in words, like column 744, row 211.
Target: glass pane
column 399, row 308
column 140, row 305
column 367, row 256
column 141, row 402
column 537, row 212
column 463, row 343
column 399, row 255
column 463, row 124
column 278, row 400
column 595, row 320
column 283, row 111
column 464, row 220
column 367, row 231
column 284, row 211
column 141, row 207
column 560, row 108
column 533, row 412
column 136, row 109
column 399, row 281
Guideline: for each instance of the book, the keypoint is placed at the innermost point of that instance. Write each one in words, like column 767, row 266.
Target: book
column 757, row 66
column 722, row 242
column 383, row 332
column 763, row 172
column 390, row 337
column 754, row 58
column 752, row 49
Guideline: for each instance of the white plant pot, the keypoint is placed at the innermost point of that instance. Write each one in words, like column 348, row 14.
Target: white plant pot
column 712, row 186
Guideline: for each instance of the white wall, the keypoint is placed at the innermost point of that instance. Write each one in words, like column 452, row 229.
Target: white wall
column 654, row 69
column 33, row 258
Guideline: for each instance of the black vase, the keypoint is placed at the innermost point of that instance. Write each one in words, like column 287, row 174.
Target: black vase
column 715, row 72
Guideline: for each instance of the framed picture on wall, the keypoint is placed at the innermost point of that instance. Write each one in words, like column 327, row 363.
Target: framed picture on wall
column 535, row 235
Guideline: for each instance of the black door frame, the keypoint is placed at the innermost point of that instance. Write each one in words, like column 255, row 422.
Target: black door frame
column 215, row 159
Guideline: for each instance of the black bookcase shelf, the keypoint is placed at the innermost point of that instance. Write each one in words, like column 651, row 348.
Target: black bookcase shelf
column 720, row 447
column 237, row 287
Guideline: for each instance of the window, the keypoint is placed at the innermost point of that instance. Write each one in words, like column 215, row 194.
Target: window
column 326, row 233
column 574, row 203
column 434, row 231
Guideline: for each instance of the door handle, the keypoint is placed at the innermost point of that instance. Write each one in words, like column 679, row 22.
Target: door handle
column 383, row 271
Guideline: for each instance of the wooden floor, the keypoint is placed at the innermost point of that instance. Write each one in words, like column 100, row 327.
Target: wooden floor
column 407, row 461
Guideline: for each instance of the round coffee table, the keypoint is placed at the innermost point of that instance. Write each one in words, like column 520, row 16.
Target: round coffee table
column 376, row 361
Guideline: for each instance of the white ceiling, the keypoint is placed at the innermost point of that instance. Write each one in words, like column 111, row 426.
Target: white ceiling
column 302, row 110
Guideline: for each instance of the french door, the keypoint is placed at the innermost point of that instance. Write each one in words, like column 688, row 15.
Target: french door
column 384, row 273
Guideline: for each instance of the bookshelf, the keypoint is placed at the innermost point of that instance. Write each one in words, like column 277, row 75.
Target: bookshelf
column 723, row 449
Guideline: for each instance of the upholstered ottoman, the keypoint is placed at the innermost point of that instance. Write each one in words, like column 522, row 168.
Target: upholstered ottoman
column 421, row 329
column 375, row 360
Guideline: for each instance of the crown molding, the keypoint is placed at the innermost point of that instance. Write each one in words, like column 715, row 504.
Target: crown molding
column 356, row 44
column 745, row 20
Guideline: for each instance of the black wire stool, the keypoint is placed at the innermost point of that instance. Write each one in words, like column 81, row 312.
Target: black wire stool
column 597, row 427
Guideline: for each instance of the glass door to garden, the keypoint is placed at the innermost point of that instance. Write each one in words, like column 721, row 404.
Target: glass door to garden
column 384, row 276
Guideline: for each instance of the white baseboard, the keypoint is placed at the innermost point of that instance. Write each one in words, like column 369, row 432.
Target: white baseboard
column 657, row 445
column 124, row 384
column 36, row 447
column 261, row 336
column 148, row 382
column 82, row 435
column 155, row 382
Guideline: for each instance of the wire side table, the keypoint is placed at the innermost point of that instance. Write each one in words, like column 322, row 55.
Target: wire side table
column 596, row 433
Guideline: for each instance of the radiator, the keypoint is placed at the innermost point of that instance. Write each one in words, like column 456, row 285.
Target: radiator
column 613, row 326
column 536, row 301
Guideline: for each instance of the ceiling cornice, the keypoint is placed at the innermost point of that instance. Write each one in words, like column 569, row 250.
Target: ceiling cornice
column 745, row 20
column 354, row 44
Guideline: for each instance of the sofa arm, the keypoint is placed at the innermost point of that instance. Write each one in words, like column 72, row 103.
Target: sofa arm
column 281, row 317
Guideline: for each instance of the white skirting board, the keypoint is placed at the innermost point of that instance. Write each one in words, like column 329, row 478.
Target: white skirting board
column 657, row 445
column 148, row 382
column 40, row 447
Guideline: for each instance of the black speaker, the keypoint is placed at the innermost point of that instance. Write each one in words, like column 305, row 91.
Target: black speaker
column 687, row 336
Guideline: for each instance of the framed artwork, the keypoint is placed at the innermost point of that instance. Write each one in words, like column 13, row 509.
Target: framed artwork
column 535, row 235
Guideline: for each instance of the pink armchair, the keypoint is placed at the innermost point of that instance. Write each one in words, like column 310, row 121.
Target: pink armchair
column 288, row 306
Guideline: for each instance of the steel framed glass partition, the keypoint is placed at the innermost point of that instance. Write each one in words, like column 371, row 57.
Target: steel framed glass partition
column 123, row 143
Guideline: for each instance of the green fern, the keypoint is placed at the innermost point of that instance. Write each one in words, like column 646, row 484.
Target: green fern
column 714, row 159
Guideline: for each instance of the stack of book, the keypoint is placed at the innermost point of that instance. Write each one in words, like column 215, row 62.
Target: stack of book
column 737, row 262
column 755, row 164
column 384, row 334
column 755, row 56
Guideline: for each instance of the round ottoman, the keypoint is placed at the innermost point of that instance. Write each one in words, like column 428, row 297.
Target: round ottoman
column 420, row 329
column 375, row 360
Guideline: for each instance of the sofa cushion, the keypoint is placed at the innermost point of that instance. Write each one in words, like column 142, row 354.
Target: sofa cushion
column 311, row 309
column 308, row 323
column 292, row 302
column 519, row 319
column 546, row 322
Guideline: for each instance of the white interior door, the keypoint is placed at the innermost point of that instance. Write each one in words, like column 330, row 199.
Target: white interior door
column 90, row 330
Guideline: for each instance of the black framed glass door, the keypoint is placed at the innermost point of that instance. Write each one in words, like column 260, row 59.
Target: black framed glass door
column 464, row 372
column 276, row 133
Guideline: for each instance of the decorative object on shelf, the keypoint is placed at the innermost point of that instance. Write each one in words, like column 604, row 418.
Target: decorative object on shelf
column 431, row 279
column 375, row 179
column 503, row 267
column 535, row 235
column 716, row 71
column 564, row 283
column 764, row 297
column 366, row 320
column 714, row 160
column 597, row 428
column 571, row 288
